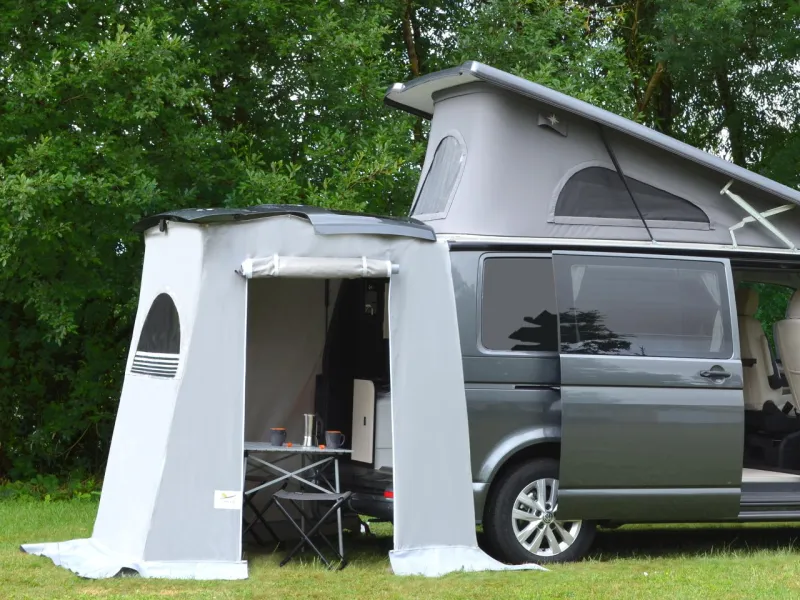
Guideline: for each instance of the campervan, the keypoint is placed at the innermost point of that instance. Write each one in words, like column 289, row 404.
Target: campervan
column 606, row 281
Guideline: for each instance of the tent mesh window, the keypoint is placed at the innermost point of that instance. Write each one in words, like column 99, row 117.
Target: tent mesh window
column 441, row 178
column 598, row 193
column 159, row 345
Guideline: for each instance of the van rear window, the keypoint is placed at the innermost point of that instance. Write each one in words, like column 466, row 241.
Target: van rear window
column 518, row 305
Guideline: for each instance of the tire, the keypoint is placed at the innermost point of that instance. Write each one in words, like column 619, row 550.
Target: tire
column 502, row 529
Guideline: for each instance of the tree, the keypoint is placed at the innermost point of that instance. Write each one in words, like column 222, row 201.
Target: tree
column 110, row 113
column 719, row 74
column 111, row 110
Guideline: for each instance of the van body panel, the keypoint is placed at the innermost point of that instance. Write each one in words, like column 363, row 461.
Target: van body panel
column 503, row 421
column 512, row 370
column 649, row 372
column 654, row 437
column 645, row 505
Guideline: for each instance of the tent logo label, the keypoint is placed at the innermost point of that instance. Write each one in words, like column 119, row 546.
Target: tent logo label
column 225, row 499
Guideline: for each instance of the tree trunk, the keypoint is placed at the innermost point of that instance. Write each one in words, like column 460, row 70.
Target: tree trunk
column 731, row 118
column 408, row 37
column 652, row 85
column 665, row 112
column 411, row 39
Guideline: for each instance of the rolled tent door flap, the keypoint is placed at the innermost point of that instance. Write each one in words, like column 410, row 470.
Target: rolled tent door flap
column 317, row 267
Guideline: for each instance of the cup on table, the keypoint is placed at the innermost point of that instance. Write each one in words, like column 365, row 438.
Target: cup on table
column 277, row 436
column 334, row 439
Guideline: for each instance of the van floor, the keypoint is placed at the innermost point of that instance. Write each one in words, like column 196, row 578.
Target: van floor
column 761, row 476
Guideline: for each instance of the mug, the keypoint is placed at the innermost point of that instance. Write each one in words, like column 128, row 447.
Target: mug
column 334, row 439
column 277, row 436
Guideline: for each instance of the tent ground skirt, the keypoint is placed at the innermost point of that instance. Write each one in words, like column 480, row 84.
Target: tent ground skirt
column 87, row 558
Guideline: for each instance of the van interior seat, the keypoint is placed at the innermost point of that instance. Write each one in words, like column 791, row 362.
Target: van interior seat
column 788, row 331
column 756, row 356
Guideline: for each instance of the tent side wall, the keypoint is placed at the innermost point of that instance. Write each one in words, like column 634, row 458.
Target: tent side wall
column 204, row 453
column 429, row 417
column 516, row 164
column 172, row 265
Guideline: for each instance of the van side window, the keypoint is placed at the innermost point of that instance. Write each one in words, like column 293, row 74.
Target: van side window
column 518, row 305
column 643, row 307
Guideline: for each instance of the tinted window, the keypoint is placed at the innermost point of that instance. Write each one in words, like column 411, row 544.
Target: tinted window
column 643, row 307
column 518, row 305
column 598, row 192
column 162, row 330
column 441, row 178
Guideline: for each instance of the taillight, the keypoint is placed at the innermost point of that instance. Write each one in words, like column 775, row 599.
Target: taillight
column 388, row 494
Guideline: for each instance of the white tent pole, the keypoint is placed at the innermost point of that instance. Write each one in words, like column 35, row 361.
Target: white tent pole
column 317, row 267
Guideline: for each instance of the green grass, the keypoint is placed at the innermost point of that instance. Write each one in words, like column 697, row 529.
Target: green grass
column 633, row 562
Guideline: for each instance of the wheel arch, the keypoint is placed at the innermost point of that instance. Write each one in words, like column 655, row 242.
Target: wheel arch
column 519, row 443
column 545, row 445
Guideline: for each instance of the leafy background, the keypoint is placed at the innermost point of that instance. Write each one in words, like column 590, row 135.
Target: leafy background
column 112, row 110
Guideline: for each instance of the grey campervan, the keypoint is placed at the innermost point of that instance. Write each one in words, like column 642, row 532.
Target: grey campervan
column 606, row 283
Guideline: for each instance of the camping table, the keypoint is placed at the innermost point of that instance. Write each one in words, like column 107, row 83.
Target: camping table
column 319, row 459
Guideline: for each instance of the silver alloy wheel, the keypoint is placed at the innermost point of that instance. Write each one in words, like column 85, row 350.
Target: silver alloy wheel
column 533, row 518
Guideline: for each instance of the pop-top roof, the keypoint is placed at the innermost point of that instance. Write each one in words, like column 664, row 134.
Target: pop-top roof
column 417, row 97
column 325, row 222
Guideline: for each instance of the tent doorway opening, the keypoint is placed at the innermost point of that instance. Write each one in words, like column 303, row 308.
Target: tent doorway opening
column 321, row 346
column 355, row 392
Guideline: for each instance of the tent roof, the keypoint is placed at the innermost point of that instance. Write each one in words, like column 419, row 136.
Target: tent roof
column 325, row 222
column 418, row 96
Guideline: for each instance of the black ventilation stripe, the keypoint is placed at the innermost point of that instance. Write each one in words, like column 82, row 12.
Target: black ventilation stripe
column 156, row 364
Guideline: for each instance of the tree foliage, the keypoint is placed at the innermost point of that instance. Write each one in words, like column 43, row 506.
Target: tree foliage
column 111, row 110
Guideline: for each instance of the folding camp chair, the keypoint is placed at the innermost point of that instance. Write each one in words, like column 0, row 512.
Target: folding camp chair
column 337, row 500
column 259, row 517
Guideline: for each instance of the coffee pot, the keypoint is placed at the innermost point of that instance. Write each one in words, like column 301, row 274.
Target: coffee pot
column 312, row 429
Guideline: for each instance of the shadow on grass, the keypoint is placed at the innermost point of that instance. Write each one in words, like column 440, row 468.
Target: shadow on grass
column 362, row 549
column 630, row 542
column 667, row 541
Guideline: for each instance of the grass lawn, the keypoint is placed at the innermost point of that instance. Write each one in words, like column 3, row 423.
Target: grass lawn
column 633, row 562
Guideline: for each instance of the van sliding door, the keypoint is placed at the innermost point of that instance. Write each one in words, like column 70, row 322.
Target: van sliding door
column 652, row 404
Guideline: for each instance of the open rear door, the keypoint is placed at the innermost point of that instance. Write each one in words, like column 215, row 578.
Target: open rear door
column 652, row 405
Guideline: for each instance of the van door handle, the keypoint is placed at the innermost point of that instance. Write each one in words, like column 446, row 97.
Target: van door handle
column 715, row 374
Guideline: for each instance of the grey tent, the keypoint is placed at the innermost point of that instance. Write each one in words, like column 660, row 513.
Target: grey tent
column 232, row 312
column 228, row 339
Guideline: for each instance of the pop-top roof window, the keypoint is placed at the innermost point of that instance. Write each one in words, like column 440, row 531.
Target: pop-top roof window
column 598, row 193
column 441, row 178
column 159, row 346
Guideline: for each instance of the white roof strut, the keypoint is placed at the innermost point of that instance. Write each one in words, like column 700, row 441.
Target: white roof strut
column 757, row 216
column 313, row 267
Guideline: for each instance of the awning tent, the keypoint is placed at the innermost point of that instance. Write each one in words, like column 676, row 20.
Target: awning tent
column 204, row 371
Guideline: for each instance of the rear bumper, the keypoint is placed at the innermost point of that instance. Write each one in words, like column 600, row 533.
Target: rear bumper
column 378, row 506
column 372, row 505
